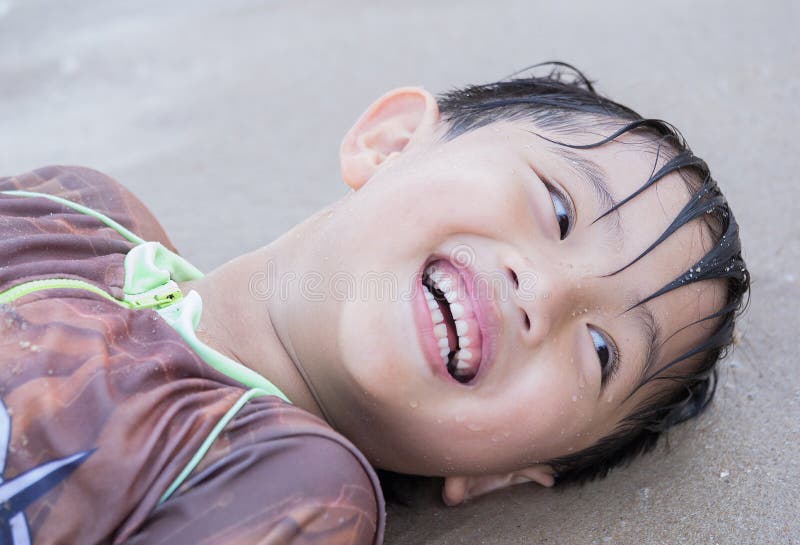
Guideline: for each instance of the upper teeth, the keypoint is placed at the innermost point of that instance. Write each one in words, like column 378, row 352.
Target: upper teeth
column 445, row 285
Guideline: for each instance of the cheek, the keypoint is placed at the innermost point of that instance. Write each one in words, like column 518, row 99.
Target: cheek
column 496, row 209
column 546, row 412
column 462, row 197
column 369, row 341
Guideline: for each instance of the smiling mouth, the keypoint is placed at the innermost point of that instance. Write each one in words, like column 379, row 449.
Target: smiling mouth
column 455, row 325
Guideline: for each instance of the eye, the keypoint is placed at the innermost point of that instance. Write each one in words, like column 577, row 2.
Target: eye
column 562, row 210
column 606, row 351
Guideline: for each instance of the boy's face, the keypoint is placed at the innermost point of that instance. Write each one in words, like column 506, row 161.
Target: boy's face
column 542, row 318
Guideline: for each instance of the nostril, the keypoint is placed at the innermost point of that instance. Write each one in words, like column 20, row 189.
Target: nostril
column 527, row 321
column 514, row 278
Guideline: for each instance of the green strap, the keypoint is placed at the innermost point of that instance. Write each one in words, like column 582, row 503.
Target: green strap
column 25, row 288
column 183, row 316
column 209, row 440
column 83, row 210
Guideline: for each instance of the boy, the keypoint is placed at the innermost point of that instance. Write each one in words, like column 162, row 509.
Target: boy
column 556, row 279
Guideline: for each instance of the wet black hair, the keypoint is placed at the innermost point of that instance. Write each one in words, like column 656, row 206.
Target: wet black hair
column 563, row 102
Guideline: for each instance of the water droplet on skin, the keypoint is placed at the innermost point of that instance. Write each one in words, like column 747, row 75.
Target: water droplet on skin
column 438, row 420
column 474, row 427
column 506, row 434
column 581, row 381
column 459, row 418
column 574, row 398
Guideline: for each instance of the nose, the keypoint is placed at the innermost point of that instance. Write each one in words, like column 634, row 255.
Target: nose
column 542, row 297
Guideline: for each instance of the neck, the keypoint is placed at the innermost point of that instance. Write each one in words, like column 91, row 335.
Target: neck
column 240, row 319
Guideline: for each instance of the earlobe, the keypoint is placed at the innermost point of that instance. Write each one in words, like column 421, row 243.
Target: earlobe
column 458, row 489
column 386, row 128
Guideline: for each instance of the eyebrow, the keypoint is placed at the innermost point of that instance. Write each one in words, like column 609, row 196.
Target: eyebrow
column 594, row 176
column 650, row 331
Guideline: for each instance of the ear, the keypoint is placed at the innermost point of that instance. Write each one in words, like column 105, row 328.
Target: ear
column 386, row 128
column 456, row 490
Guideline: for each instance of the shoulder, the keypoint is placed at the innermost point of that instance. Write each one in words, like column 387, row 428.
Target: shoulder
column 93, row 190
column 323, row 484
column 288, row 474
column 335, row 492
column 330, row 462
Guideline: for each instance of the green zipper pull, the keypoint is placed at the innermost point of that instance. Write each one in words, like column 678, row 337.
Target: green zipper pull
column 158, row 297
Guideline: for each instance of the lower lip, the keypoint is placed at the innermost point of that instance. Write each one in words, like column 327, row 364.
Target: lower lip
column 424, row 323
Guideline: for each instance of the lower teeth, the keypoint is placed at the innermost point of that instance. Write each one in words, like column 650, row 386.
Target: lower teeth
column 458, row 369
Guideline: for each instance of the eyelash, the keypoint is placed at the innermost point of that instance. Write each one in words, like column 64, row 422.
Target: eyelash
column 562, row 207
column 608, row 345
